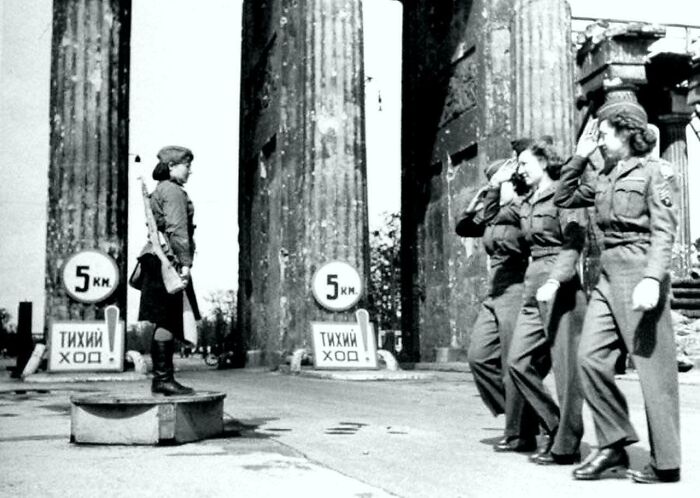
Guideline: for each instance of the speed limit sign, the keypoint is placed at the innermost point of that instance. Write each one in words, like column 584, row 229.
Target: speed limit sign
column 337, row 286
column 90, row 276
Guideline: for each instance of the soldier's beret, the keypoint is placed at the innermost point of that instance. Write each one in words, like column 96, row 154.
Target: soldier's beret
column 520, row 144
column 492, row 167
column 623, row 103
column 174, row 154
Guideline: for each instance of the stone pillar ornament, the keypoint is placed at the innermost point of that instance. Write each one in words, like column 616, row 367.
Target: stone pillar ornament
column 335, row 177
column 89, row 119
column 542, row 59
column 675, row 150
column 303, row 181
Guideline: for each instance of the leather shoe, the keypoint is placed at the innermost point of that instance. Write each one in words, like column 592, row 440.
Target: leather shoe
column 544, row 448
column 650, row 475
column 607, row 462
column 516, row 444
column 550, row 458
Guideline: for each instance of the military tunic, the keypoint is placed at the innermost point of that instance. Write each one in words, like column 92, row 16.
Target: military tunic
column 634, row 210
column 548, row 333
column 493, row 329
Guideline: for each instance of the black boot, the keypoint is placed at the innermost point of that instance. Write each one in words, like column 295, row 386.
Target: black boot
column 163, row 371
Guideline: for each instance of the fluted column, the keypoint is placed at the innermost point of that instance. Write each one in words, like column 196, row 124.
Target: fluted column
column 543, row 70
column 334, row 177
column 87, row 207
column 674, row 149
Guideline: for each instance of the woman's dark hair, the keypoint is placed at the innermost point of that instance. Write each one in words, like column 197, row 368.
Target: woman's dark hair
column 641, row 140
column 545, row 150
column 161, row 172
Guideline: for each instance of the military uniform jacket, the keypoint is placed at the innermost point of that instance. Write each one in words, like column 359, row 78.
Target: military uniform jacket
column 174, row 215
column 499, row 227
column 633, row 204
column 550, row 230
column 634, row 210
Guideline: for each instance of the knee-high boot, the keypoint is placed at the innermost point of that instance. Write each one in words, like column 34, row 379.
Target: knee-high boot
column 163, row 370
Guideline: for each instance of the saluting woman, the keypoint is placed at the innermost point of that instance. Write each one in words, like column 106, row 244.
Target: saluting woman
column 173, row 212
column 629, row 307
column 548, row 326
column 493, row 330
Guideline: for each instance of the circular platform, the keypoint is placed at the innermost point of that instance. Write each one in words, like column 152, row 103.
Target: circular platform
column 132, row 418
column 140, row 399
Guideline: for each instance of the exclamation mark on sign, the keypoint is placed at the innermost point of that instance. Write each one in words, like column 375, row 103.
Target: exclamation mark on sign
column 363, row 319
column 112, row 319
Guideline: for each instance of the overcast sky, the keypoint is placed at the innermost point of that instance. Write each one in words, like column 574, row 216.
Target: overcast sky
column 184, row 90
column 185, row 72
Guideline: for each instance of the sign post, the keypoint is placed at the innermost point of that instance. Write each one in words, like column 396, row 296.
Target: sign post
column 87, row 346
column 337, row 286
column 89, row 276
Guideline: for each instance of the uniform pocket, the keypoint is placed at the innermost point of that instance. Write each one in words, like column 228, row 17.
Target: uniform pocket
column 545, row 219
column 629, row 197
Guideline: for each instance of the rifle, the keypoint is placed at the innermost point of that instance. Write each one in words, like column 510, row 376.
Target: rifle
column 171, row 278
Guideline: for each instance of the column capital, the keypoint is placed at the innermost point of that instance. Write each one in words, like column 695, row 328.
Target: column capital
column 694, row 84
column 615, row 53
column 675, row 118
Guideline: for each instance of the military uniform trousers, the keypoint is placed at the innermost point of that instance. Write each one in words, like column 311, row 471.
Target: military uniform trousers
column 488, row 352
column 611, row 326
column 547, row 333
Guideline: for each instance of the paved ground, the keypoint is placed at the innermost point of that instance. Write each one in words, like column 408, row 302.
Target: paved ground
column 299, row 436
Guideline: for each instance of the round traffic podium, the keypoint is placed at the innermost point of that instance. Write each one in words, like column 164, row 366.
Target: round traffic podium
column 120, row 418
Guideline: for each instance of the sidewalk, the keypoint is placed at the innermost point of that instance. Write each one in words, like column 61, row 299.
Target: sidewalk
column 291, row 435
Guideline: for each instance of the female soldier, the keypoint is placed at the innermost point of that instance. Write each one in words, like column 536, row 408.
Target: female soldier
column 173, row 213
column 629, row 307
column 493, row 329
column 549, row 321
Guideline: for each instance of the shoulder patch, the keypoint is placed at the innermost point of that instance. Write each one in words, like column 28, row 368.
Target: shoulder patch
column 665, row 193
column 666, row 169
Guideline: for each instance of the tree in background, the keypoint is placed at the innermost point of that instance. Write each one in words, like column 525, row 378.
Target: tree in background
column 219, row 329
column 6, row 345
column 385, row 274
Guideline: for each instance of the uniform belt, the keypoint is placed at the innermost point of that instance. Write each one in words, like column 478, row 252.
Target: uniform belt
column 541, row 252
column 625, row 238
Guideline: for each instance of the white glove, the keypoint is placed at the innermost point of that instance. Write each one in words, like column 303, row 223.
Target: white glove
column 646, row 294
column 547, row 292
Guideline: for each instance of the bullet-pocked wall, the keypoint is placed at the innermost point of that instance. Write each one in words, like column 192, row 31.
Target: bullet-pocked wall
column 302, row 180
column 458, row 106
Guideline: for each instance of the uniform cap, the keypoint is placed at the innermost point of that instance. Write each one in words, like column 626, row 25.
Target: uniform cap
column 174, row 154
column 492, row 167
column 623, row 102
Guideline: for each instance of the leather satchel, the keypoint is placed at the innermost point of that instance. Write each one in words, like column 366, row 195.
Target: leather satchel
column 136, row 278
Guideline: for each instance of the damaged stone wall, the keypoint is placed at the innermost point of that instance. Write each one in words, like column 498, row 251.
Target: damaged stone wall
column 89, row 121
column 459, row 103
column 303, row 193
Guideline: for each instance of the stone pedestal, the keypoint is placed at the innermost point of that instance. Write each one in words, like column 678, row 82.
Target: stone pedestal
column 89, row 120
column 133, row 419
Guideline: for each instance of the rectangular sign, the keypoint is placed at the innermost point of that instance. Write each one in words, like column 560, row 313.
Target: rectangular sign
column 86, row 347
column 342, row 345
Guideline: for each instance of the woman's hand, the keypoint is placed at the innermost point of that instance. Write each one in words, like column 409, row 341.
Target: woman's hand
column 504, row 173
column 548, row 291
column 645, row 295
column 588, row 142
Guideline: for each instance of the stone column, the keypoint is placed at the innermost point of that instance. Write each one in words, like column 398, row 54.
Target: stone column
column 674, row 149
column 543, row 84
column 334, row 177
column 89, row 119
